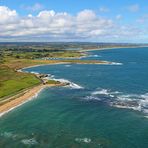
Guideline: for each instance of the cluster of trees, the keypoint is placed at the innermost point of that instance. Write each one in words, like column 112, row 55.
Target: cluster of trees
column 22, row 49
column 1, row 57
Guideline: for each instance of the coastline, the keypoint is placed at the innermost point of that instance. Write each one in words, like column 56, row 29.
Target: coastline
column 107, row 48
column 12, row 104
column 67, row 62
column 31, row 93
column 27, row 96
column 20, row 70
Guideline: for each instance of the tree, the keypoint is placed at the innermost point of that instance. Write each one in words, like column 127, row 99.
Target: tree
column 17, row 56
column 1, row 57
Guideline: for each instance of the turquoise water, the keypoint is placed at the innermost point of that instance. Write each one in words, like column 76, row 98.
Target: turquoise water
column 106, row 106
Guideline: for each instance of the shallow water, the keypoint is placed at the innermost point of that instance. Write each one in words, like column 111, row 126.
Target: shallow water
column 106, row 106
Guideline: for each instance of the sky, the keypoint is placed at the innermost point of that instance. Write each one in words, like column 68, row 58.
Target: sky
column 74, row 21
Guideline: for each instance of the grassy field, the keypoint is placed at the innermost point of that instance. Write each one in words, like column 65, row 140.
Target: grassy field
column 49, row 54
column 12, row 82
column 21, row 63
column 53, row 82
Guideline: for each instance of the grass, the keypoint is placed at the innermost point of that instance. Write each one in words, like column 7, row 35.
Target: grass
column 21, row 63
column 49, row 54
column 12, row 82
column 53, row 82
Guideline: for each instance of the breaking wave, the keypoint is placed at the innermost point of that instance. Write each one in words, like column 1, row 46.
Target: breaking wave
column 93, row 56
column 67, row 65
column 138, row 102
column 8, row 135
column 36, row 73
column 70, row 84
column 20, row 137
column 84, row 140
column 116, row 63
column 31, row 141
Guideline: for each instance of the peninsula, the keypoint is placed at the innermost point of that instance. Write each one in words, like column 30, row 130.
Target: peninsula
column 16, row 87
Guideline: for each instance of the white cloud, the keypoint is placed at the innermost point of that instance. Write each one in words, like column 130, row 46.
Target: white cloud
column 143, row 19
column 119, row 17
column 49, row 25
column 46, row 14
column 134, row 8
column 104, row 9
column 35, row 7
column 86, row 15
column 7, row 15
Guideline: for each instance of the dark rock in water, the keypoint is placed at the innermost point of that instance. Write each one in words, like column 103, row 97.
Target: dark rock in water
column 67, row 83
column 126, row 103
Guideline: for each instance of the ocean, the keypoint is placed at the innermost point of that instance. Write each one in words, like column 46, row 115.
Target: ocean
column 105, row 106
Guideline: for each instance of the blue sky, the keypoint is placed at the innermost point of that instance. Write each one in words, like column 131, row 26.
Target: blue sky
column 115, row 21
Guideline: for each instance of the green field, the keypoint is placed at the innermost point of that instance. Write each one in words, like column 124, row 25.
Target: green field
column 37, row 55
column 53, row 82
column 12, row 82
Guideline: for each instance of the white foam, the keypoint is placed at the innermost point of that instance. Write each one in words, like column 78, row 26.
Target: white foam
column 106, row 92
column 36, row 73
column 141, row 101
column 128, row 97
column 67, row 65
column 102, row 91
column 138, row 102
column 126, row 107
column 92, row 98
column 116, row 63
column 132, row 101
column 75, row 86
column 96, row 55
column 144, row 96
column 70, row 84
column 31, row 141
column 92, row 55
column 19, row 70
column 146, row 116
column 84, row 140
column 50, row 76
column 7, row 134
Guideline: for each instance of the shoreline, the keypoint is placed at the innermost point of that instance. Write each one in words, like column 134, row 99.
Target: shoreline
column 12, row 104
column 107, row 48
column 38, row 65
column 27, row 96
column 67, row 62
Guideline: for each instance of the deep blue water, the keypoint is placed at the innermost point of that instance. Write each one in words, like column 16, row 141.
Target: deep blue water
column 106, row 106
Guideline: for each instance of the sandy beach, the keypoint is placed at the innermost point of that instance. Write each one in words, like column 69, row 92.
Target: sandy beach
column 107, row 48
column 26, row 96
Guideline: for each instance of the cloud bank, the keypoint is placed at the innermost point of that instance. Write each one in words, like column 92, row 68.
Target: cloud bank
column 49, row 25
